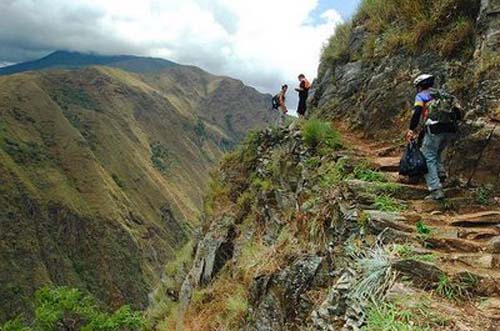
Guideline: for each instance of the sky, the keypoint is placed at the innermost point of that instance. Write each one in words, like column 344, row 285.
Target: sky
column 263, row 42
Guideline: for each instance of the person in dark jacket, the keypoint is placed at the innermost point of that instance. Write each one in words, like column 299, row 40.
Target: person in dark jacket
column 437, row 135
column 303, row 90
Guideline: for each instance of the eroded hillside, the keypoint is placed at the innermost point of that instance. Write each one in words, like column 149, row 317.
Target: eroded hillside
column 103, row 172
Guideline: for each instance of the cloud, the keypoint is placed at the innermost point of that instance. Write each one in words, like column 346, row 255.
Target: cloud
column 262, row 42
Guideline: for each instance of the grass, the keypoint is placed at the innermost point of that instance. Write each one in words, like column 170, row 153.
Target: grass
column 445, row 27
column 332, row 173
column 456, row 289
column 319, row 135
column 337, row 47
column 483, row 195
column 403, row 315
column 448, row 289
column 223, row 305
column 407, row 252
column 364, row 173
column 388, row 204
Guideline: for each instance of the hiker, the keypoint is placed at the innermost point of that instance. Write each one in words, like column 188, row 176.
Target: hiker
column 438, row 113
column 303, row 90
column 280, row 105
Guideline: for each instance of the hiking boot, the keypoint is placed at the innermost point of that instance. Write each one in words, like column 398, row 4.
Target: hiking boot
column 443, row 177
column 435, row 195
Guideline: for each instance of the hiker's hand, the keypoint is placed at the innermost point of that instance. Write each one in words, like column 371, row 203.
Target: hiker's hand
column 410, row 135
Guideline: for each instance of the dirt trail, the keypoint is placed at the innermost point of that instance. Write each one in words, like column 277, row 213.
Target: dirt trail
column 463, row 238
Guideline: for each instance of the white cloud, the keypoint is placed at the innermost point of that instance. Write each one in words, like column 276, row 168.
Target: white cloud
column 263, row 42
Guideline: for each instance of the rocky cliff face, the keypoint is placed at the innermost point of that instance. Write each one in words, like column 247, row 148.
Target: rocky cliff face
column 367, row 85
column 102, row 173
column 299, row 236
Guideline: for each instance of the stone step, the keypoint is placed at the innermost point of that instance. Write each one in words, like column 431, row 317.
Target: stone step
column 485, row 218
column 387, row 164
column 449, row 244
column 394, row 150
column 477, row 260
column 398, row 191
column 381, row 220
column 457, row 205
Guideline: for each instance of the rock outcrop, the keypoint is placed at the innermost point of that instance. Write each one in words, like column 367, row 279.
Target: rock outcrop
column 298, row 236
column 370, row 88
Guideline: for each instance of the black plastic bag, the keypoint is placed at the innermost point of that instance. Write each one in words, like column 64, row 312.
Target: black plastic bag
column 412, row 163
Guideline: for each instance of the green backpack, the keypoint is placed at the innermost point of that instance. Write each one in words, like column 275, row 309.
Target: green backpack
column 442, row 107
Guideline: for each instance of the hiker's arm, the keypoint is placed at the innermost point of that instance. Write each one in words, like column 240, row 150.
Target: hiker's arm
column 417, row 114
column 458, row 112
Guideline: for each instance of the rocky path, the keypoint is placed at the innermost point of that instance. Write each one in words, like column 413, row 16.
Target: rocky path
column 458, row 238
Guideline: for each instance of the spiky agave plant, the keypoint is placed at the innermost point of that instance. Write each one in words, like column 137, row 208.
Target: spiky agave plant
column 375, row 274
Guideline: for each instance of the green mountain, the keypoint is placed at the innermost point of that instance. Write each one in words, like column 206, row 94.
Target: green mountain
column 74, row 60
column 102, row 174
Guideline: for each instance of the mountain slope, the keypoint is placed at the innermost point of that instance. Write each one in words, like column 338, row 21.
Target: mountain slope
column 302, row 234
column 102, row 174
column 366, row 73
column 74, row 60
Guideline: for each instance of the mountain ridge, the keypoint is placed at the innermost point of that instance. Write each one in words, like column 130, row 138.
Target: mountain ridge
column 72, row 59
column 103, row 174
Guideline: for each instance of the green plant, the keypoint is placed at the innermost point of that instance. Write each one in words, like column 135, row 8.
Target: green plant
column 364, row 173
column 331, row 173
column 407, row 252
column 200, row 130
column 66, row 308
column 448, row 289
column 387, row 203
column 160, row 157
column 375, row 274
column 16, row 324
column 422, row 229
column 320, row 135
column 403, row 315
column 483, row 195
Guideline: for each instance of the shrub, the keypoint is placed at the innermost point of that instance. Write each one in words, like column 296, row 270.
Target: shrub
column 337, row 47
column 160, row 157
column 320, row 135
column 66, row 308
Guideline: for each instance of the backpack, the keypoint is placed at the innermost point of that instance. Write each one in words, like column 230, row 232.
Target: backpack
column 276, row 101
column 307, row 84
column 442, row 107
